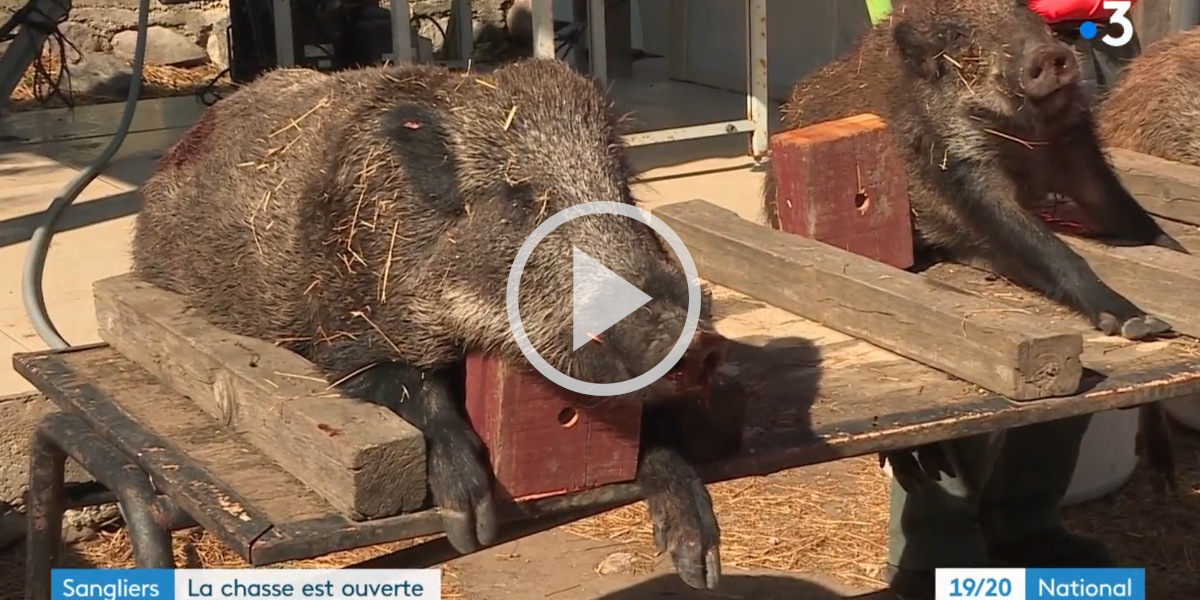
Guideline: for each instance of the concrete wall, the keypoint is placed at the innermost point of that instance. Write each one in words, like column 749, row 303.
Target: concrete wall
column 708, row 40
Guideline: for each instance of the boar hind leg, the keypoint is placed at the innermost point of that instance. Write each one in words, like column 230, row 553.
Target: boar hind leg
column 681, row 510
column 1020, row 247
column 1082, row 174
column 458, row 472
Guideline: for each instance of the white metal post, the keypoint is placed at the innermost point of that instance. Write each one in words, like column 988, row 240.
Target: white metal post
column 402, row 46
column 598, row 40
column 543, row 27
column 285, row 39
column 757, row 76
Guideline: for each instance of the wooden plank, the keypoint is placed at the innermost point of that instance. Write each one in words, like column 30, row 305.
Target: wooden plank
column 1010, row 354
column 1160, row 281
column 1165, row 188
column 1101, row 353
column 219, row 508
column 822, row 395
column 362, row 458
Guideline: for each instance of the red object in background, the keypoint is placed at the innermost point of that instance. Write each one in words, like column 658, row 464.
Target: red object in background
column 540, row 445
column 842, row 183
column 1057, row 11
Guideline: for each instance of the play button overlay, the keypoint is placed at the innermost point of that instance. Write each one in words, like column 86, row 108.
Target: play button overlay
column 600, row 299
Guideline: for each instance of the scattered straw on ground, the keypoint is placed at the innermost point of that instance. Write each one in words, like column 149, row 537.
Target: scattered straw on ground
column 157, row 82
column 818, row 520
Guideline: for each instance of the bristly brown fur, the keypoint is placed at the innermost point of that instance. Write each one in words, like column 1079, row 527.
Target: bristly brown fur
column 972, row 109
column 1155, row 106
column 372, row 215
column 368, row 219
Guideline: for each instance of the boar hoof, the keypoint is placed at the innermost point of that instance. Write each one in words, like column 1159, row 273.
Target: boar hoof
column 1137, row 327
column 685, row 526
column 460, row 481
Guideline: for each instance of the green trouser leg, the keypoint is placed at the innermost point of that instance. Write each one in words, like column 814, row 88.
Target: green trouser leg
column 1002, row 493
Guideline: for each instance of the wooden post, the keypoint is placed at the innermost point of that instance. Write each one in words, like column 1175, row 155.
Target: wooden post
column 1152, row 20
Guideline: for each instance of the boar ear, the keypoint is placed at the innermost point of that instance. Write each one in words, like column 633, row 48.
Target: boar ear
column 919, row 47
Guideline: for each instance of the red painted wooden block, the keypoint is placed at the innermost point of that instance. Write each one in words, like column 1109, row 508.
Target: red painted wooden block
column 540, row 444
column 843, row 183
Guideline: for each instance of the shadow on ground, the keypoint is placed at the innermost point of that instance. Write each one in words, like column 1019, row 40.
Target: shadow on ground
column 758, row 587
column 16, row 230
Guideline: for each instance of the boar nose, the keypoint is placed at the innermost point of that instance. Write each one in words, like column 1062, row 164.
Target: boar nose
column 1051, row 67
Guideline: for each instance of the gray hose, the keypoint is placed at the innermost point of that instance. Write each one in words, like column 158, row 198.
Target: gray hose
column 39, row 242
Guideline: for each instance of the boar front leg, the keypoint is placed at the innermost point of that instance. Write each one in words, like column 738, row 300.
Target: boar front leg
column 1019, row 246
column 1083, row 174
column 458, row 471
column 682, row 514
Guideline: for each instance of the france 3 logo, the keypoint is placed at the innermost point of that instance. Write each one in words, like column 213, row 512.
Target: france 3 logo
column 1120, row 18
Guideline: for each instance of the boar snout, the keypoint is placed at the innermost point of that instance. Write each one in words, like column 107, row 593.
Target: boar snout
column 1047, row 69
column 695, row 369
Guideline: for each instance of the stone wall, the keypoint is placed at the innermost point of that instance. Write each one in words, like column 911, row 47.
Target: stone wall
column 179, row 33
column 190, row 33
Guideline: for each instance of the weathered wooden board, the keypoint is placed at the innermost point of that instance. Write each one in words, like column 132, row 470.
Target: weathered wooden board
column 1009, row 354
column 1101, row 353
column 1160, row 281
column 1165, row 188
column 360, row 457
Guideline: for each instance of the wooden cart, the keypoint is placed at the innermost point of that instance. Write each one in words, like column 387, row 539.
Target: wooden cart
column 858, row 382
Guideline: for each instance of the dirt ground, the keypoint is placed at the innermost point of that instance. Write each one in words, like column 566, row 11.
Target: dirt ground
column 815, row 533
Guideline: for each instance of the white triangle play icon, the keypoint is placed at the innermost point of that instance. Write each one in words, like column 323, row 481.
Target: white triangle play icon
column 600, row 298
